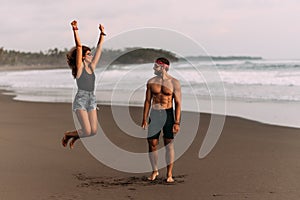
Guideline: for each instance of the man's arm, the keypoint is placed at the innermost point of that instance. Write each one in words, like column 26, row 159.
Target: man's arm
column 177, row 102
column 147, row 106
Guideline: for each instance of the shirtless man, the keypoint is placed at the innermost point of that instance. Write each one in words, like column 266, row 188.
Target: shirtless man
column 161, row 91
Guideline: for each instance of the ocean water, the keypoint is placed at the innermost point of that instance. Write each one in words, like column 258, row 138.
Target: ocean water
column 263, row 90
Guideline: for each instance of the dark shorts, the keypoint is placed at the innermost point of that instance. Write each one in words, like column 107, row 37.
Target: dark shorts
column 84, row 100
column 161, row 120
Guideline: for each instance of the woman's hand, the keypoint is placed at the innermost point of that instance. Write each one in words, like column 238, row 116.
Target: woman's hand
column 74, row 24
column 101, row 28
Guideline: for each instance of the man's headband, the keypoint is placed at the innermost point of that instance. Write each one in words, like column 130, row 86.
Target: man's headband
column 161, row 64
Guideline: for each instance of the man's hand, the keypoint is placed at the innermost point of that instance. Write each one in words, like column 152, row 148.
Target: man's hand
column 144, row 125
column 176, row 128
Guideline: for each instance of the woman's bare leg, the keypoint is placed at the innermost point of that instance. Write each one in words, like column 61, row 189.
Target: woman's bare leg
column 89, row 125
column 83, row 118
column 93, row 119
column 84, row 121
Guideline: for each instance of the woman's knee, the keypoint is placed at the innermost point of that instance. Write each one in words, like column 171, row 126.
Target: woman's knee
column 89, row 131
column 94, row 131
column 86, row 132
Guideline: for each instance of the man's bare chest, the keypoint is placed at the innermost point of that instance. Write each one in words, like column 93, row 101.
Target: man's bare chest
column 162, row 89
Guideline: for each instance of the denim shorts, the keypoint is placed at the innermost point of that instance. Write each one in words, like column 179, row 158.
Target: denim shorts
column 84, row 100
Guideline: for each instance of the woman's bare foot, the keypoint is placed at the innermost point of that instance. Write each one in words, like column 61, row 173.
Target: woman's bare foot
column 170, row 179
column 153, row 176
column 65, row 140
column 73, row 142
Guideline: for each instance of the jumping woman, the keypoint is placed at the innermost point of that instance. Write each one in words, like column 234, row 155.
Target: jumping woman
column 83, row 65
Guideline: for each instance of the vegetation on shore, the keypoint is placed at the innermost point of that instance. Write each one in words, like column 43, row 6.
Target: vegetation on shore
column 51, row 57
column 55, row 58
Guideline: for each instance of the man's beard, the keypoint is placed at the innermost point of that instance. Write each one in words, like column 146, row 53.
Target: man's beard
column 158, row 73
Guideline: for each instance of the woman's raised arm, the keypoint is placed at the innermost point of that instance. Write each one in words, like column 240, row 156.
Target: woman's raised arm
column 98, row 48
column 74, row 25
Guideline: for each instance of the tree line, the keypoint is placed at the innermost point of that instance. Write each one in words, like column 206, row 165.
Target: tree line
column 57, row 58
column 50, row 57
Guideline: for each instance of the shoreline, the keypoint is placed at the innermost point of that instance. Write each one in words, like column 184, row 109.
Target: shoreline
column 283, row 112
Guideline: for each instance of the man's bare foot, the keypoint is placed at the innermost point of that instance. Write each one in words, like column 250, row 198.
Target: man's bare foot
column 73, row 142
column 153, row 176
column 170, row 179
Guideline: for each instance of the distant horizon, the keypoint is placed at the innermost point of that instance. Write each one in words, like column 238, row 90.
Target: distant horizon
column 186, row 56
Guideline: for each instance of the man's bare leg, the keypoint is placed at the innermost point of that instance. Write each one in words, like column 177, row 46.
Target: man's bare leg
column 153, row 157
column 169, row 158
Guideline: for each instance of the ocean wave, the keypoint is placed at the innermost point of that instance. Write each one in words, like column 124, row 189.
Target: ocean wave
column 243, row 79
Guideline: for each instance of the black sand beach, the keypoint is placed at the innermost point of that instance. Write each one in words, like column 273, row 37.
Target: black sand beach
column 250, row 161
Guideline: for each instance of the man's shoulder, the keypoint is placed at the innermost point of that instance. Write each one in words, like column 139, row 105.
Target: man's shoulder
column 174, row 79
column 175, row 82
column 151, row 80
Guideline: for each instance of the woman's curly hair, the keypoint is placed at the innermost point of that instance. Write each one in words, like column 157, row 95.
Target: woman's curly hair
column 71, row 58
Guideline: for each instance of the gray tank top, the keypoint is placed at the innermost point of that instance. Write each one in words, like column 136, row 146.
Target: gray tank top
column 86, row 81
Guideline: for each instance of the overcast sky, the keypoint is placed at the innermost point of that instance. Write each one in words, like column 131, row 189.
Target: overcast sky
column 267, row 28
